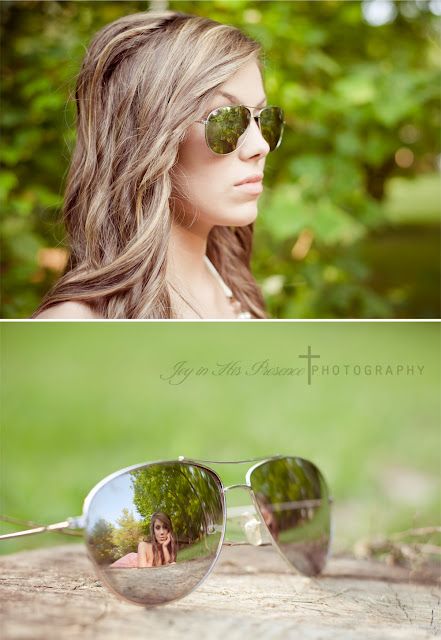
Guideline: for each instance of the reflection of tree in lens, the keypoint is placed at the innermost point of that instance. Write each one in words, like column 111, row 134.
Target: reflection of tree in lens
column 128, row 533
column 114, row 541
column 186, row 493
column 101, row 541
column 282, row 483
column 271, row 120
column 304, row 530
column 225, row 127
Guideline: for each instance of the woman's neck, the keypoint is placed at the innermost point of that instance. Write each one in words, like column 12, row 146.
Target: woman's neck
column 195, row 291
column 186, row 262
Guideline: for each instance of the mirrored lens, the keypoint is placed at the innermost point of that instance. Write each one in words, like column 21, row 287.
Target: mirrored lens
column 154, row 532
column 293, row 499
column 225, row 128
column 271, row 123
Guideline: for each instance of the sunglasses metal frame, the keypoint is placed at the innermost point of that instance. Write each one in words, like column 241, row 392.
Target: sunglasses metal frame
column 72, row 524
column 252, row 117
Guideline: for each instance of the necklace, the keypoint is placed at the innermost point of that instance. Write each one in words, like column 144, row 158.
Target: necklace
column 235, row 304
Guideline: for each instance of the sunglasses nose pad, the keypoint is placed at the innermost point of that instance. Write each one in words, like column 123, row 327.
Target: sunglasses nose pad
column 246, row 520
column 254, row 530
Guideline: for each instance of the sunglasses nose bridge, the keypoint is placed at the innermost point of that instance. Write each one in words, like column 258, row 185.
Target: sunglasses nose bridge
column 237, row 486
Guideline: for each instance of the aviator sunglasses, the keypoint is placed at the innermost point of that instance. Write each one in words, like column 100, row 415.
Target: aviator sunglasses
column 226, row 128
column 154, row 531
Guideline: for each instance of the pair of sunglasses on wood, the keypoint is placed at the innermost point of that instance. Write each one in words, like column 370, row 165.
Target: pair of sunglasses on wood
column 226, row 128
column 154, row 531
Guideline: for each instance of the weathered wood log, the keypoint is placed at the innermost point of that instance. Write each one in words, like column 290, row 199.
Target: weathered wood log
column 54, row 593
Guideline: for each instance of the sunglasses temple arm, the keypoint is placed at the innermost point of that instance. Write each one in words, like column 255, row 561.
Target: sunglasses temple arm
column 68, row 527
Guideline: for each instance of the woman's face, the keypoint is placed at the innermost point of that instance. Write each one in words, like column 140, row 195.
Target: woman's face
column 209, row 180
column 161, row 531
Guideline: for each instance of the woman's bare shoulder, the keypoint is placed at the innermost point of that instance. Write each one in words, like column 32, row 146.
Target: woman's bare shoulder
column 68, row 311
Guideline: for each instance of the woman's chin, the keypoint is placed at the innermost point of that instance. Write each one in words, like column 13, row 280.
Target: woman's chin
column 242, row 217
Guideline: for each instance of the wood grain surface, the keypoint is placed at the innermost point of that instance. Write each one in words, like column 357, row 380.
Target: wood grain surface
column 54, row 593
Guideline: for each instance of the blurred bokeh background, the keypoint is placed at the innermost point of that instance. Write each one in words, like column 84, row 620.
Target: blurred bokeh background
column 349, row 219
column 81, row 400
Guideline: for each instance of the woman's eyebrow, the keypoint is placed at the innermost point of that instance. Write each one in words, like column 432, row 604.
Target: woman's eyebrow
column 235, row 99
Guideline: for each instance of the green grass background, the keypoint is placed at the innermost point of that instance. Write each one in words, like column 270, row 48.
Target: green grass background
column 81, row 400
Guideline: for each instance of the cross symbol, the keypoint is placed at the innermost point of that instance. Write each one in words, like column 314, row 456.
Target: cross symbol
column 309, row 356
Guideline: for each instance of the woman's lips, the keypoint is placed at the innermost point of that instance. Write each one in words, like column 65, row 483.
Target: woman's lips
column 253, row 188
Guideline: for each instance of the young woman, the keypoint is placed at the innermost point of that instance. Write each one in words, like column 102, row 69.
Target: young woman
column 162, row 549
column 171, row 119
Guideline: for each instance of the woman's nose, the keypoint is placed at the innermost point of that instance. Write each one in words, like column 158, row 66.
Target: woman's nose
column 255, row 142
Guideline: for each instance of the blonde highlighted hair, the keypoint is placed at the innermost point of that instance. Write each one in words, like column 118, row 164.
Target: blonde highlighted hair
column 145, row 79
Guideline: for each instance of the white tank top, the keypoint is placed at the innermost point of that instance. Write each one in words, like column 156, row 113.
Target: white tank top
column 243, row 315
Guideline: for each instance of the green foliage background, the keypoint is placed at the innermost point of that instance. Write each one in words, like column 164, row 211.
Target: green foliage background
column 343, row 230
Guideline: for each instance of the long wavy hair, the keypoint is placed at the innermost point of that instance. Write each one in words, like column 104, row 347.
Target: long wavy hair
column 158, row 555
column 144, row 80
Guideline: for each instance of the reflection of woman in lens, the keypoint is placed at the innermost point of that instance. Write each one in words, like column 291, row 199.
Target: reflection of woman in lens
column 162, row 548
column 157, row 224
